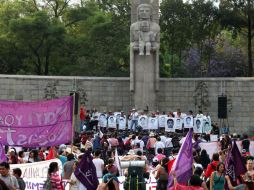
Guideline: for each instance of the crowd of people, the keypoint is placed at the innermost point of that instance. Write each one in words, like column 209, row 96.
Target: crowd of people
column 157, row 148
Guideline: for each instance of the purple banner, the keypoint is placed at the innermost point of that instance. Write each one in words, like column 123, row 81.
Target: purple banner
column 34, row 124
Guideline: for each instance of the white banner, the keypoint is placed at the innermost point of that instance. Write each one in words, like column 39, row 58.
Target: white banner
column 188, row 122
column 112, row 122
column 214, row 147
column 207, row 127
column 122, row 123
column 143, row 121
column 152, row 123
column 198, row 125
column 178, row 123
column 35, row 174
column 162, row 121
column 171, row 124
column 117, row 116
column 102, row 120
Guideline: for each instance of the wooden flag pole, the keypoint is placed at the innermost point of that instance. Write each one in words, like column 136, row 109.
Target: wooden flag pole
column 73, row 119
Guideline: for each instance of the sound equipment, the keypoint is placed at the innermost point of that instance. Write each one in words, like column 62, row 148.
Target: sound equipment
column 222, row 107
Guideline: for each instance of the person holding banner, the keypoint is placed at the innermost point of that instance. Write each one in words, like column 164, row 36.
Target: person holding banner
column 10, row 180
column 134, row 119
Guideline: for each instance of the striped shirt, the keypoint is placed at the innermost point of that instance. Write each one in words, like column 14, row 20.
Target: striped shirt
column 56, row 182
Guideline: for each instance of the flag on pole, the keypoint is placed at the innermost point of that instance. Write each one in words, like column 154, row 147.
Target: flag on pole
column 86, row 172
column 117, row 161
column 3, row 157
column 234, row 165
column 183, row 163
column 100, row 134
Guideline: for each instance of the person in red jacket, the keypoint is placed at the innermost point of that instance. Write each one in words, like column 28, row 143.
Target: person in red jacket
column 212, row 166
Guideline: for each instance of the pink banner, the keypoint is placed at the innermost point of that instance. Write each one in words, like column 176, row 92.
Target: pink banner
column 35, row 124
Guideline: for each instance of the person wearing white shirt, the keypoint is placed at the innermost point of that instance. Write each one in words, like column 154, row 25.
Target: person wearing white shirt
column 168, row 145
column 163, row 138
column 99, row 163
column 139, row 141
column 134, row 119
column 159, row 144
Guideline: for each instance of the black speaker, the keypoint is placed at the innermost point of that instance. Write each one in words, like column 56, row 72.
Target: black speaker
column 222, row 107
column 76, row 101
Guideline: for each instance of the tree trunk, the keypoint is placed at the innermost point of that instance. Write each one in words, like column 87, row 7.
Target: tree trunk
column 46, row 69
column 250, row 66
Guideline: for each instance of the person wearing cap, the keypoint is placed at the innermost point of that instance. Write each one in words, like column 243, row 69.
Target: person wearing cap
column 13, row 158
column 134, row 119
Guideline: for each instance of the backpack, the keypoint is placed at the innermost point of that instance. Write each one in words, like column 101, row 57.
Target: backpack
column 47, row 184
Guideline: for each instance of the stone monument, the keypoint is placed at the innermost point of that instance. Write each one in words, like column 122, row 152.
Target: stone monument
column 144, row 53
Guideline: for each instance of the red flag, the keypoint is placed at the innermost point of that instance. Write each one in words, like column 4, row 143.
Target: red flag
column 184, row 187
column 52, row 154
column 170, row 164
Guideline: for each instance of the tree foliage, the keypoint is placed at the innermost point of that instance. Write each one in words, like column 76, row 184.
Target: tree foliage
column 91, row 38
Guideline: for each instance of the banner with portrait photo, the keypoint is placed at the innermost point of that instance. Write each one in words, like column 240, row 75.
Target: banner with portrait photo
column 122, row 123
column 207, row 128
column 170, row 124
column 188, row 121
column 117, row 116
column 102, row 120
column 143, row 121
column 152, row 123
column 178, row 123
column 198, row 125
column 162, row 121
column 129, row 124
column 112, row 121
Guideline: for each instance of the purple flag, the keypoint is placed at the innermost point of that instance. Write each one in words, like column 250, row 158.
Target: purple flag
column 234, row 165
column 183, row 163
column 3, row 157
column 86, row 172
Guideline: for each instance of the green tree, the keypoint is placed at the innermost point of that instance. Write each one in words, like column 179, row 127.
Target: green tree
column 238, row 16
column 40, row 36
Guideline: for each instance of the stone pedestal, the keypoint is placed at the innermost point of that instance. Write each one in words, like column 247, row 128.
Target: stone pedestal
column 144, row 82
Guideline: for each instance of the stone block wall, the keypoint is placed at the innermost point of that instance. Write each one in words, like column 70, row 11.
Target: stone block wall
column 187, row 94
column 113, row 94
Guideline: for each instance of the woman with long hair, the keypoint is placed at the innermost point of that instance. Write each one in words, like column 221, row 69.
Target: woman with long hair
column 53, row 175
column 162, row 175
column 217, row 178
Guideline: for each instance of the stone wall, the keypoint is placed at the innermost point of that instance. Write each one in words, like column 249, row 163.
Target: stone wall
column 113, row 94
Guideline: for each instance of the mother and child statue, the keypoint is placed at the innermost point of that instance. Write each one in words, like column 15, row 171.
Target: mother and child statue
column 145, row 33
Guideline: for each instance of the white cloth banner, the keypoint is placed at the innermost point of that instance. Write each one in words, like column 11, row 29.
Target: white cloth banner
column 162, row 121
column 152, row 123
column 188, row 122
column 207, row 126
column 35, row 174
column 198, row 125
column 178, row 123
column 122, row 123
column 210, row 147
column 214, row 147
column 143, row 121
column 102, row 120
column 170, row 124
column 112, row 122
column 117, row 116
